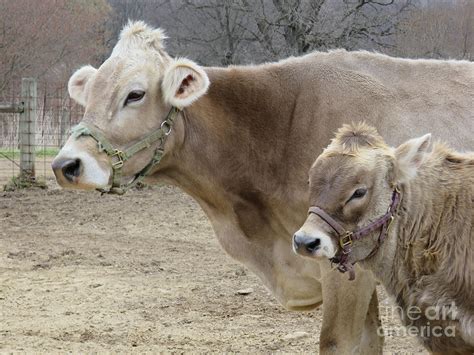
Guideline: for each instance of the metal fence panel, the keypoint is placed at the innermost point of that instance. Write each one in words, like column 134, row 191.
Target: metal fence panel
column 54, row 115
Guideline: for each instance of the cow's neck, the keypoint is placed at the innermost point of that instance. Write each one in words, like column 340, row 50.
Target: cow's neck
column 436, row 209
column 231, row 149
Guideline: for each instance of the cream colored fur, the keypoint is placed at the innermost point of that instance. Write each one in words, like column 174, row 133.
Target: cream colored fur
column 173, row 77
column 77, row 85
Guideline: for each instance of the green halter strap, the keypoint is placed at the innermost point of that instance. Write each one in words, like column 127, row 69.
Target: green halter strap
column 118, row 157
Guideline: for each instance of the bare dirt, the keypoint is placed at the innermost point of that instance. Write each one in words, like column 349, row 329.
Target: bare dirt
column 82, row 272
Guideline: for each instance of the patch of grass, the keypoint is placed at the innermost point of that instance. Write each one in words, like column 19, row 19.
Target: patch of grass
column 15, row 153
column 47, row 152
column 6, row 153
column 24, row 182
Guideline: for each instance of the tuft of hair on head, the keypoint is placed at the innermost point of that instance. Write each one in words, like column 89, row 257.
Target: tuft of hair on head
column 137, row 34
column 350, row 138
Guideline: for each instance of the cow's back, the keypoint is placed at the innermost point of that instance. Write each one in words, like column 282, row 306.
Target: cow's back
column 403, row 98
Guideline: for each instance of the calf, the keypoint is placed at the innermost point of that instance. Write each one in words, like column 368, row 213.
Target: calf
column 407, row 215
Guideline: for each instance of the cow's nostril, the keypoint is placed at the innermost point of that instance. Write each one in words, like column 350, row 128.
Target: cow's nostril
column 313, row 245
column 303, row 243
column 71, row 169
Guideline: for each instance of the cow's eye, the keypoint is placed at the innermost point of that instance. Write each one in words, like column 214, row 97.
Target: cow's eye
column 359, row 193
column 134, row 96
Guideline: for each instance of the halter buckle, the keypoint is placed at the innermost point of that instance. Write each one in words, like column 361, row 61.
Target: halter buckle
column 346, row 240
column 390, row 223
column 167, row 130
column 119, row 163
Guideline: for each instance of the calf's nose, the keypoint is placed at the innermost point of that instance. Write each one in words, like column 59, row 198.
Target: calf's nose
column 69, row 168
column 305, row 243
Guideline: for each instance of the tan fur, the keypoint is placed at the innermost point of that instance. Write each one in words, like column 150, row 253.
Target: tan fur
column 428, row 257
column 243, row 149
column 350, row 138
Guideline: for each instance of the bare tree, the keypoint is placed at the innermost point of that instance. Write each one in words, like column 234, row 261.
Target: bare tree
column 215, row 31
column 239, row 31
column 222, row 32
column 48, row 37
column 466, row 14
column 438, row 29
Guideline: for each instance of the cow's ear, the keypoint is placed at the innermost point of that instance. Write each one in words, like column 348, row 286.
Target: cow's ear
column 183, row 83
column 410, row 156
column 77, row 85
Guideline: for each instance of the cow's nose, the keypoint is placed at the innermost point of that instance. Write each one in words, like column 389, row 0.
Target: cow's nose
column 303, row 242
column 69, row 168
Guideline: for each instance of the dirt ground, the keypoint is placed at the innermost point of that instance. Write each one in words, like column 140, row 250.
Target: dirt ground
column 143, row 272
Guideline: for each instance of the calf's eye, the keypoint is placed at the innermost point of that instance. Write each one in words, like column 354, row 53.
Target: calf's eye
column 134, row 96
column 359, row 193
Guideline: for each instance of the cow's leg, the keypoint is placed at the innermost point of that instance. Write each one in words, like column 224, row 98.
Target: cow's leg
column 350, row 315
column 372, row 341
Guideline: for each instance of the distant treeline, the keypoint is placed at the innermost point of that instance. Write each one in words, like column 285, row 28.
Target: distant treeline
column 48, row 39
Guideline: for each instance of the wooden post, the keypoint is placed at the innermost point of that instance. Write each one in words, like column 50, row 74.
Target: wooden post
column 27, row 129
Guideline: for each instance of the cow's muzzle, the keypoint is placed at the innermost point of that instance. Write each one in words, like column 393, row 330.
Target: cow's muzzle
column 68, row 169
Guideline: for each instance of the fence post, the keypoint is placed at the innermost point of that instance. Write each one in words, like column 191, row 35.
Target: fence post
column 27, row 128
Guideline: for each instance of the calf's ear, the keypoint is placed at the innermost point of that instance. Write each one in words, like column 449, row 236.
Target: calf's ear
column 77, row 85
column 410, row 156
column 183, row 83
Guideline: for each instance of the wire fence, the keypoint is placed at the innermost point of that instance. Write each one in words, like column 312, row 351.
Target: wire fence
column 54, row 115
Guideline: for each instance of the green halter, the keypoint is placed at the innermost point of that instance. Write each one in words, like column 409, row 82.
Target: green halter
column 118, row 157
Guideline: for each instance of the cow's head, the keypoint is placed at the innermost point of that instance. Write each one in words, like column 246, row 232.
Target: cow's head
column 126, row 98
column 353, row 181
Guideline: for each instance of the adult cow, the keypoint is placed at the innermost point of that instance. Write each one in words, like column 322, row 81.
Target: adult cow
column 243, row 142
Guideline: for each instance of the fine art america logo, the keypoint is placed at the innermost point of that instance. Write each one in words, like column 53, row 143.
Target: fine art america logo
column 430, row 316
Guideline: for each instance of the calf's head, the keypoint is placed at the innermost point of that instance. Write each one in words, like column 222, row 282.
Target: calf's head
column 128, row 96
column 353, row 181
